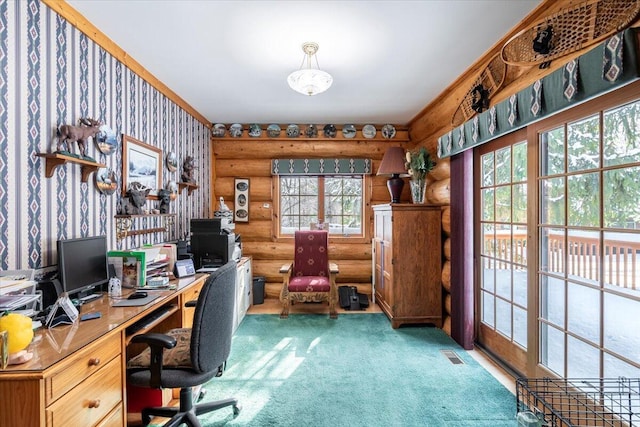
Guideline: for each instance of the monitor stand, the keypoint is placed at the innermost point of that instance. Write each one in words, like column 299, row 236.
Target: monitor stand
column 87, row 296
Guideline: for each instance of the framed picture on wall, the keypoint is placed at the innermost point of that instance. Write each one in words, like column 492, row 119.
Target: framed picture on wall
column 241, row 204
column 141, row 163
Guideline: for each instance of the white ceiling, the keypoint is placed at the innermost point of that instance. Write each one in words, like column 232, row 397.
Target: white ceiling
column 230, row 59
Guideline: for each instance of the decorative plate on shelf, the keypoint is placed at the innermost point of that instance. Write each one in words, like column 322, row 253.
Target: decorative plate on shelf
column 219, row 130
column 255, row 130
column 106, row 181
column 235, row 130
column 293, row 131
column 330, row 131
column 369, row 131
column 106, row 140
column 388, row 131
column 311, row 131
column 349, row 131
column 172, row 161
column 273, row 131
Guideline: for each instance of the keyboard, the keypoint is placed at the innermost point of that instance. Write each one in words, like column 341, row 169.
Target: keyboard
column 90, row 298
column 149, row 320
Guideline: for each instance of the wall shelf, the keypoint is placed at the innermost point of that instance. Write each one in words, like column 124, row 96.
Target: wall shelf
column 53, row 160
column 124, row 223
column 188, row 185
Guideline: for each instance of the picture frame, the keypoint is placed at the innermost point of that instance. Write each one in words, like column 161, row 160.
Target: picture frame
column 142, row 163
column 241, row 200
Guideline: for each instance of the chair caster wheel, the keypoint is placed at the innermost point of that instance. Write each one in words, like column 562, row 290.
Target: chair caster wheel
column 236, row 410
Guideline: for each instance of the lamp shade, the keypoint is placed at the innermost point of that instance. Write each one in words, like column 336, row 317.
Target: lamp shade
column 393, row 162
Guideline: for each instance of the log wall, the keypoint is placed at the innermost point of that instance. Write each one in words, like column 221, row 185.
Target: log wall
column 247, row 157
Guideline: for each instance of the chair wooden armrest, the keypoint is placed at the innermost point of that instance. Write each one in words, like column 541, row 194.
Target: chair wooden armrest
column 333, row 268
column 286, row 268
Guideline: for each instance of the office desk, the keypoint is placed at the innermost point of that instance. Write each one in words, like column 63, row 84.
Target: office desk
column 77, row 375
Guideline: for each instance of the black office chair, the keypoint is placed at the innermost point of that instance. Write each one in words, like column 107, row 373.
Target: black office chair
column 187, row 357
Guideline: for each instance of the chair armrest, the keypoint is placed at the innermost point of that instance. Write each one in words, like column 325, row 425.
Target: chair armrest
column 157, row 343
column 286, row 268
column 155, row 340
column 333, row 268
column 191, row 303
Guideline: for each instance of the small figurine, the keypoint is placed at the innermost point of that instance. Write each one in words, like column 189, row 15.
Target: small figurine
column 136, row 197
column 188, row 167
column 172, row 186
column 78, row 134
column 165, row 198
column 223, row 205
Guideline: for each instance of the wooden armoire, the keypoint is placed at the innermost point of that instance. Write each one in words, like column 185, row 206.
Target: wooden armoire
column 407, row 255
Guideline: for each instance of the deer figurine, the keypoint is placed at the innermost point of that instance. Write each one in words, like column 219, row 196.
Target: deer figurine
column 68, row 134
column 135, row 199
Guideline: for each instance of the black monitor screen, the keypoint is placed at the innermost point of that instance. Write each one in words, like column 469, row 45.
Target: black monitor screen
column 82, row 263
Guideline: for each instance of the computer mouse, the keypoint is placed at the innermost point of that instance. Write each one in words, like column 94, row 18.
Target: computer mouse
column 137, row 295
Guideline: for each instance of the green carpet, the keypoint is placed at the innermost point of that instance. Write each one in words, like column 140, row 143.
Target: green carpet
column 353, row 371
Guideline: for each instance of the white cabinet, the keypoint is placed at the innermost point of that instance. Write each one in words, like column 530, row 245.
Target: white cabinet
column 244, row 292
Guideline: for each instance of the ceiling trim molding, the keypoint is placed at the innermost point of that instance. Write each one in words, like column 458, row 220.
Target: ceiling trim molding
column 76, row 19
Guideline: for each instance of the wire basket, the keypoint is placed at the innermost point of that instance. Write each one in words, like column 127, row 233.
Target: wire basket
column 578, row 402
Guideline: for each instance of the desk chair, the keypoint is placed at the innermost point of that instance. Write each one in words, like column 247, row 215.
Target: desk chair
column 311, row 277
column 187, row 357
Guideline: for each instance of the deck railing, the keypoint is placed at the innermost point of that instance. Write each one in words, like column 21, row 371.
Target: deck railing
column 620, row 262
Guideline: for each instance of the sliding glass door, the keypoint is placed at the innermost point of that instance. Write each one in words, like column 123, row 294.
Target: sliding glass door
column 589, row 244
column 501, row 242
column 557, row 242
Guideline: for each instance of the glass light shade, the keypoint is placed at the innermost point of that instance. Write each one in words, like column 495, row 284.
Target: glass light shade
column 309, row 81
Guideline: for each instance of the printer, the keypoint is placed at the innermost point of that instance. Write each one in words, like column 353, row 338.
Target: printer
column 212, row 245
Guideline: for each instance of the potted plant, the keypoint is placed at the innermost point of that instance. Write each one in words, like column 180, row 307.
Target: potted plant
column 418, row 163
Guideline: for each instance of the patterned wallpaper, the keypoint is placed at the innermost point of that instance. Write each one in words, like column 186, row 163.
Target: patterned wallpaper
column 52, row 74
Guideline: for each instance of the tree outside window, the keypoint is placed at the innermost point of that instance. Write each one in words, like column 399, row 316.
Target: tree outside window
column 334, row 203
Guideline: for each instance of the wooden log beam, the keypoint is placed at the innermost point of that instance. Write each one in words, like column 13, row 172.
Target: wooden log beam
column 439, row 192
column 259, row 148
column 446, row 224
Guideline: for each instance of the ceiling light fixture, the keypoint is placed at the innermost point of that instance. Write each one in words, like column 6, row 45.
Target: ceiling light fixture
column 308, row 80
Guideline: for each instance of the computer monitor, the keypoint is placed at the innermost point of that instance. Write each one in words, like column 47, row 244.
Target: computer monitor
column 82, row 264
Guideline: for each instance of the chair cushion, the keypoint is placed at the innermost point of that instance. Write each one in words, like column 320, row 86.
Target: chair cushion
column 309, row 284
column 177, row 357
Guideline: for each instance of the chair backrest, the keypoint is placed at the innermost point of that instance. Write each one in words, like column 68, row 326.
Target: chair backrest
column 213, row 320
column 311, row 253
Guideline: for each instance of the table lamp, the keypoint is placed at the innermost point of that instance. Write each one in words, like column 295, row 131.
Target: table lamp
column 393, row 164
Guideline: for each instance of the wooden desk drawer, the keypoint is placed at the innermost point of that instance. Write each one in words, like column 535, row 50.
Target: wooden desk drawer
column 89, row 402
column 114, row 419
column 191, row 294
column 81, row 365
